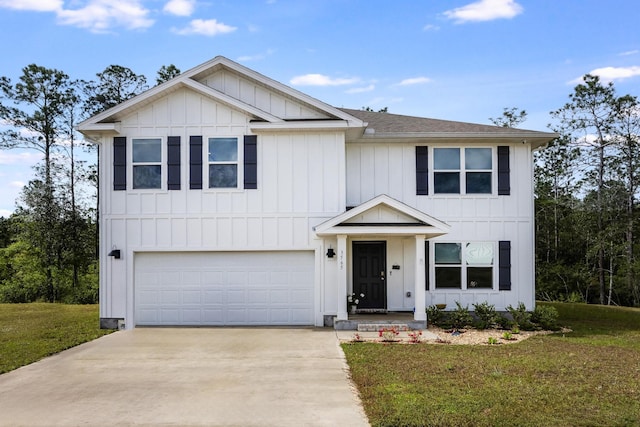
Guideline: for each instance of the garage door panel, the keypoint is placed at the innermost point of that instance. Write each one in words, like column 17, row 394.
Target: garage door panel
column 225, row 288
column 190, row 297
column 260, row 296
column 212, row 316
column 213, row 297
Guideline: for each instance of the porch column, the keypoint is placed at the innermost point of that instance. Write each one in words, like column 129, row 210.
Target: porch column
column 419, row 292
column 342, row 277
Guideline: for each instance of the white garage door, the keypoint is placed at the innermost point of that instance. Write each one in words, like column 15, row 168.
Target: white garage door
column 224, row 288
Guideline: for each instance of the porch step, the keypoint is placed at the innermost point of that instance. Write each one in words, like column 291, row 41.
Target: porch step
column 375, row 327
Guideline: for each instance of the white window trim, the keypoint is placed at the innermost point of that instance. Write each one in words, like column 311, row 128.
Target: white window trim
column 163, row 166
column 239, row 163
column 462, row 171
column 463, row 265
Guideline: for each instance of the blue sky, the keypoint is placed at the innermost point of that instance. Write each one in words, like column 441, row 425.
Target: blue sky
column 459, row 60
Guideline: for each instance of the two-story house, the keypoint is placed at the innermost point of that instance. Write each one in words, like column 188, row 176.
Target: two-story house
column 227, row 198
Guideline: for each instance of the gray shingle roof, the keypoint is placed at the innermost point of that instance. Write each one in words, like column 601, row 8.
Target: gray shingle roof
column 386, row 123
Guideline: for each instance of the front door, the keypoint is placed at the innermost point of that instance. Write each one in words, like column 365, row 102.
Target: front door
column 369, row 278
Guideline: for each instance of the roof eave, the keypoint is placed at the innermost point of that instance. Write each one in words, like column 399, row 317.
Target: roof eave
column 536, row 139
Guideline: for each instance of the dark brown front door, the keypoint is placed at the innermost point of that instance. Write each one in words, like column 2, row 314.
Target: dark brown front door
column 369, row 278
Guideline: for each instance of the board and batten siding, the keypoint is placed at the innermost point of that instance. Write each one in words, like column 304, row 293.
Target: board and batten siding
column 300, row 183
column 374, row 169
column 259, row 96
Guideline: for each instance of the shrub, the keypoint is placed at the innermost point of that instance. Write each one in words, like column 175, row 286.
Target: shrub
column 503, row 322
column 521, row 317
column 460, row 317
column 546, row 317
column 435, row 315
column 486, row 314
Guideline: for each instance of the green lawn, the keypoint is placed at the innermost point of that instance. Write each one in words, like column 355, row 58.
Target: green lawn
column 29, row 332
column 588, row 377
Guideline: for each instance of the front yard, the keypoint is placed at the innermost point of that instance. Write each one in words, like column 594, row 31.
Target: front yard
column 587, row 377
column 29, row 332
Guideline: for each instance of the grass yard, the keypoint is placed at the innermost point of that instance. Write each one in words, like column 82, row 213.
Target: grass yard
column 29, row 332
column 588, row 377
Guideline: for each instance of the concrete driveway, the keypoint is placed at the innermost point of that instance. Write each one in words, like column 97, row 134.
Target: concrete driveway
column 188, row 377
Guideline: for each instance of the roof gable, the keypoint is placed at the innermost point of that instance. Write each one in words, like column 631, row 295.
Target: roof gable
column 264, row 100
column 383, row 215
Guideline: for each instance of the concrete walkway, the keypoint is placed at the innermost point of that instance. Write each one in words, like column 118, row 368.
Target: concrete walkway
column 188, row 377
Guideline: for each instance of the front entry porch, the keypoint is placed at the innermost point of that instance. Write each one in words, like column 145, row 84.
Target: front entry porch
column 373, row 322
column 363, row 238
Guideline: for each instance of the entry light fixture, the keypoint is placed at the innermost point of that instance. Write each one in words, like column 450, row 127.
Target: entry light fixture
column 330, row 253
column 115, row 253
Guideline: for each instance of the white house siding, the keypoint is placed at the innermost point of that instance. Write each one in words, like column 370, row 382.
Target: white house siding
column 389, row 168
column 300, row 184
column 259, row 96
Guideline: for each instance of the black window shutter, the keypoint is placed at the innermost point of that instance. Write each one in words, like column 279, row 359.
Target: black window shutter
column 119, row 163
column 422, row 170
column 195, row 162
column 504, row 184
column 504, row 265
column 173, row 163
column 426, row 265
column 250, row 162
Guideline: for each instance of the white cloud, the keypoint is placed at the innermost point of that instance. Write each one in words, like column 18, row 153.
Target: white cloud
column 33, row 5
column 630, row 52
column 485, row 10
column 321, row 80
column 415, row 81
column 5, row 213
column 28, row 158
column 361, row 89
column 17, row 184
column 100, row 16
column 609, row 74
column 180, row 7
column 256, row 57
column 209, row 27
column 430, row 27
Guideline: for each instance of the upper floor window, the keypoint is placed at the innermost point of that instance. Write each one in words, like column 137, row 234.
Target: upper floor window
column 462, row 170
column 223, row 162
column 147, row 163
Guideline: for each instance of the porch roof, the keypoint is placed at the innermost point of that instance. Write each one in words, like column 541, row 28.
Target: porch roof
column 380, row 216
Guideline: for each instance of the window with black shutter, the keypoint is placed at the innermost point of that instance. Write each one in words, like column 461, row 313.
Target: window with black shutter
column 250, row 162
column 504, row 265
column 504, row 184
column 119, row 163
column 195, row 162
column 173, row 163
column 422, row 170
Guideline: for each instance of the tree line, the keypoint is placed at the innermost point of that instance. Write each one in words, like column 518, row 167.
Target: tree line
column 586, row 199
column 49, row 246
column 586, row 189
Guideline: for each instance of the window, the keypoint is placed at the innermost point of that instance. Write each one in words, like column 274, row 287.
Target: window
column 470, row 264
column 223, row 162
column 457, row 171
column 147, row 163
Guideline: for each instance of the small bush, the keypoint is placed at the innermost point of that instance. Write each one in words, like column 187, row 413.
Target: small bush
column 435, row 315
column 546, row 317
column 503, row 322
column 460, row 317
column 521, row 317
column 486, row 314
